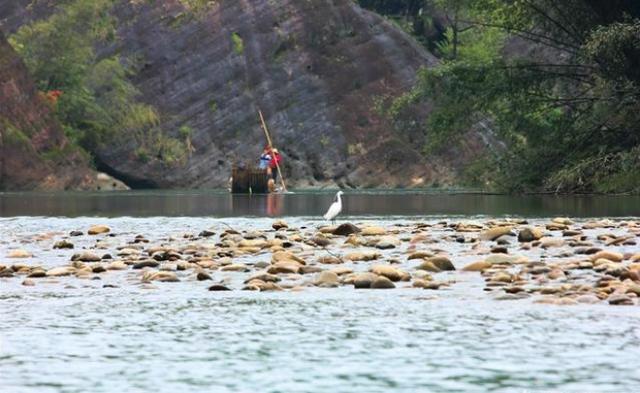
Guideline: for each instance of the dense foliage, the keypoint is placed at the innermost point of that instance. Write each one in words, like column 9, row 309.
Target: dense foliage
column 557, row 82
column 94, row 99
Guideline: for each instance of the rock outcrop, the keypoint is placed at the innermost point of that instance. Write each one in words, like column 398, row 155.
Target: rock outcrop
column 315, row 68
column 34, row 153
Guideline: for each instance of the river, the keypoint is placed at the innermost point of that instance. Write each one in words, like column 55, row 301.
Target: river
column 71, row 335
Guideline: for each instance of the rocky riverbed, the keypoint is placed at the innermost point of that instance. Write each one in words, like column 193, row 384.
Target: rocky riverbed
column 556, row 261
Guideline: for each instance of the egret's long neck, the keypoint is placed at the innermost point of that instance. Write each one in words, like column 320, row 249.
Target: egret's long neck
column 339, row 200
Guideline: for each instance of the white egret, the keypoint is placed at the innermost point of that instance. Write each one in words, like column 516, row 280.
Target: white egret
column 335, row 208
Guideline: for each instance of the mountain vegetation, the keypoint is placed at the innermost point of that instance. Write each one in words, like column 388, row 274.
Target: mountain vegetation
column 158, row 91
column 557, row 81
column 93, row 96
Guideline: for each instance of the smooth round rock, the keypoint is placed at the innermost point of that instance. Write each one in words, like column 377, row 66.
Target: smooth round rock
column 63, row 244
column 442, row 263
column 98, row 229
column 219, row 287
column 387, row 271
column 346, row 229
column 327, row 279
column 364, row 280
column 143, row 264
column 19, row 253
column 382, row 283
column 620, row 300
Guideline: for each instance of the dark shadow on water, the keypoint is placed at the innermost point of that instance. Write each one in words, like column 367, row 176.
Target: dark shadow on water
column 221, row 204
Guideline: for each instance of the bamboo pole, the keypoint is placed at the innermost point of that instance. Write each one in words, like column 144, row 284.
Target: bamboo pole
column 266, row 133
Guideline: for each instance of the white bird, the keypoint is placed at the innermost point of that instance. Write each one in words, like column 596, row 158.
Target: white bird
column 335, row 208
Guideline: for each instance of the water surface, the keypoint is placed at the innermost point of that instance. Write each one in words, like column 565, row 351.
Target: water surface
column 301, row 203
column 71, row 335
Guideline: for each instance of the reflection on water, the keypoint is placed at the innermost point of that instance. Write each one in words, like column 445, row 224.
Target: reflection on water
column 222, row 204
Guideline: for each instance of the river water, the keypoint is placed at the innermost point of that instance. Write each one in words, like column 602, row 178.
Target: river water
column 373, row 203
column 72, row 335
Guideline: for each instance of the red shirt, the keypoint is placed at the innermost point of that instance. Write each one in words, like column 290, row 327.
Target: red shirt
column 275, row 159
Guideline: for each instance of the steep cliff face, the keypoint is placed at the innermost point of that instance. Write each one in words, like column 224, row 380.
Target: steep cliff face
column 315, row 68
column 34, row 154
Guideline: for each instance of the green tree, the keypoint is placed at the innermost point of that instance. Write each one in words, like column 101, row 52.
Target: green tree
column 557, row 81
column 98, row 102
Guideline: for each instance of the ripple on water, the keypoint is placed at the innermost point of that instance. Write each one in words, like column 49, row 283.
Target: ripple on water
column 182, row 338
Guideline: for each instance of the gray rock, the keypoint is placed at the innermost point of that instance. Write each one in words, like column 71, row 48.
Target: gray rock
column 86, row 256
column 620, row 300
column 219, row 287
column 63, row 244
column 346, row 229
column 147, row 263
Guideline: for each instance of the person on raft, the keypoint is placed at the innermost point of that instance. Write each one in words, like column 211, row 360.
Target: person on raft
column 265, row 159
column 276, row 160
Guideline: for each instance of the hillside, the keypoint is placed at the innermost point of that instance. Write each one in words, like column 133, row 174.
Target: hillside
column 34, row 153
column 556, row 83
column 316, row 69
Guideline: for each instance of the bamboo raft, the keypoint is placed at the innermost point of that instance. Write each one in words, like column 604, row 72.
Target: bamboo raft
column 249, row 180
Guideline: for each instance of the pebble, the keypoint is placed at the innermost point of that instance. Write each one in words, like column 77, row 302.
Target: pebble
column 495, row 232
column 620, row 300
column 117, row 265
column 61, row 271
column 441, row 262
column 86, row 256
column 329, row 260
column 387, row 271
column 264, row 276
column 526, row 235
column 327, row 279
column 219, row 287
column 608, row 255
column 63, row 244
column 476, row 266
column 420, row 255
column 284, row 267
column 501, row 277
column 342, row 270
column 206, row 233
column 364, row 280
column 203, row 276
column 37, row 273
column 385, row 245
column 310, row 269
column 582, row 265
column 147, row 263
column 428, row 266
column 98, row 229
column 382, row 282
column 549, row 242
column 373, row 231
column 236, row 267
column 161, row 276
column 279, row 224
column 588, row 299
column 346, row 229
column 19, row 253
column 426, row 284
column 363, row 256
